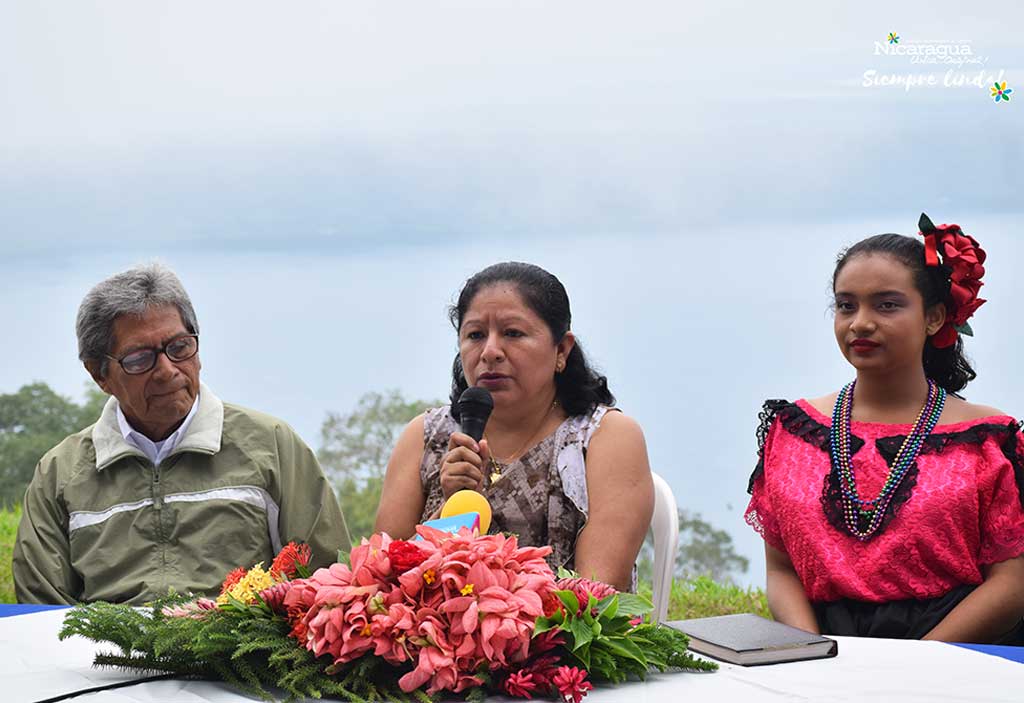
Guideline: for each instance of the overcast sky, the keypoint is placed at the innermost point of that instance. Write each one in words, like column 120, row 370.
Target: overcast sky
column 324, row 177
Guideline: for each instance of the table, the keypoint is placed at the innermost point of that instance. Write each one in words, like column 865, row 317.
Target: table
column 34, row 665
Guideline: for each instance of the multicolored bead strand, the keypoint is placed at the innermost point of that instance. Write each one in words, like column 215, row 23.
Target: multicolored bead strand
column 856, row 510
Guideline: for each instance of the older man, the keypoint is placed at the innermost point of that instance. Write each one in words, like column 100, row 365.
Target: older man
column 171, row 488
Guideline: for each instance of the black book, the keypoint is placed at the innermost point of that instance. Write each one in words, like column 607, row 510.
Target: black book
column 750, row 640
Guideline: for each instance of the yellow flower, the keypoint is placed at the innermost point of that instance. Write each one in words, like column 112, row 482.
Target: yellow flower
column 467, row 589
column 254, row 581
column 429, row 576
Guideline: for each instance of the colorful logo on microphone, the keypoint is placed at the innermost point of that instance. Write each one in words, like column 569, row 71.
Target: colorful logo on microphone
column 1000, row 91
column 894, row 38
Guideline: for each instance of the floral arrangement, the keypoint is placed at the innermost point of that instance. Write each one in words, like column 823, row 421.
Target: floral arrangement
column 961, row 254
column 401, row 620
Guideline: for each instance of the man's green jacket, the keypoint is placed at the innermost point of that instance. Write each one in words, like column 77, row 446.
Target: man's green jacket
column 100, row 522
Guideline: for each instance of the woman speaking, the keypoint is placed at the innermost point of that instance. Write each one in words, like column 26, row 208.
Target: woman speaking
column 558, row 464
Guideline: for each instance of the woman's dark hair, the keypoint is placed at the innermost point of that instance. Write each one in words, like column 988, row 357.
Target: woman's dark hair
column 578, row 388
column 948, row 367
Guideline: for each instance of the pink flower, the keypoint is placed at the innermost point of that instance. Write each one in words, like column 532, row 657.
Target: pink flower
column 584, row 588
column 520, row 684
column 195, row 609
column 437, row 659
column 449, row 605
column 390, row 632
column 342, row 632
column 302, row 596
column 275, row 595
column 571, row 683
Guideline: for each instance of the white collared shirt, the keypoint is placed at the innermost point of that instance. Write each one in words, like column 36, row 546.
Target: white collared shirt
column 155, row 451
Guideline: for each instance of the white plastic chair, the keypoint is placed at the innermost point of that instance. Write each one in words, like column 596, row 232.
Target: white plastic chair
column 665, row 529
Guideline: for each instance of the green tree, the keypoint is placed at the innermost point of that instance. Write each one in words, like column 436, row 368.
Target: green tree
column 33, row 420
column 354, row 451
column 704, row 551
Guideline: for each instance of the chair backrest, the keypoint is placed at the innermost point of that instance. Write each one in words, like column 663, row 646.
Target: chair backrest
column 665, row 528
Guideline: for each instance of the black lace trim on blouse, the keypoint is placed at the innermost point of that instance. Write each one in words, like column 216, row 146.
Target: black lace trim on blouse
column 798, row 423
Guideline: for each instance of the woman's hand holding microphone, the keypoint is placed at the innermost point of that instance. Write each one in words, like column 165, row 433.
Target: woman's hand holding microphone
column 464, row 465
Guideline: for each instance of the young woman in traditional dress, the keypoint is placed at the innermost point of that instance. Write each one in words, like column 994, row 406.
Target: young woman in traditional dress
column 893, row 507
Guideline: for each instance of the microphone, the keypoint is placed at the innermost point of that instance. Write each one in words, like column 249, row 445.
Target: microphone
column 467, row 508
column 474, row 407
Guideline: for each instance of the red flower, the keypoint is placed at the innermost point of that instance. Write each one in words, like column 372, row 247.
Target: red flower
column 545, row 642
column 405, row 556
column 288, row 560
column 299, row 629
column 571, row 683
column 551, row 603
column 542, row 670
column 965, row 259
column 233, row 578
column 520, row 684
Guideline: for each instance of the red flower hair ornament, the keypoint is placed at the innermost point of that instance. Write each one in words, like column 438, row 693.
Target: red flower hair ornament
column 964, row 257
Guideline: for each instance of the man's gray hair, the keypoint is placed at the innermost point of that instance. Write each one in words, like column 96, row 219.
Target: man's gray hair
column 130, row 292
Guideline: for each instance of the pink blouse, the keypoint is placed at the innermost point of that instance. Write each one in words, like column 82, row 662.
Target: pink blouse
column 960, row 510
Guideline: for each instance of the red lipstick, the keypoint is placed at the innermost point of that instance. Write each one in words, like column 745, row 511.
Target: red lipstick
column 864, row 346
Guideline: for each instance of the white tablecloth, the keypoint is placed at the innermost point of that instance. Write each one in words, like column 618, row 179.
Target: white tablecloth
column 34, row 666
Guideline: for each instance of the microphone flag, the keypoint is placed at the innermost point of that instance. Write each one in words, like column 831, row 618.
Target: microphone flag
column 464, row 508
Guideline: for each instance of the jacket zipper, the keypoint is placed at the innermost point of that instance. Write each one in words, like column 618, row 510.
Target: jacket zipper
column 158, row 505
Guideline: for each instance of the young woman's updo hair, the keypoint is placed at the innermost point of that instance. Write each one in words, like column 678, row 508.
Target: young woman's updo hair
column 578, row 387
column 948, row 367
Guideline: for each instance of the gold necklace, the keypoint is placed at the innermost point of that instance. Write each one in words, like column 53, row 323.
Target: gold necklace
column 497, row 468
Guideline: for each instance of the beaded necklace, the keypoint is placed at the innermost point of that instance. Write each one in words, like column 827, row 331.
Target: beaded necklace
column 863, row 517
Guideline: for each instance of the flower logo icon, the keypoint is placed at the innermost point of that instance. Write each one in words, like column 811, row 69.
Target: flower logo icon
column 894, row 38
column 1001, row 92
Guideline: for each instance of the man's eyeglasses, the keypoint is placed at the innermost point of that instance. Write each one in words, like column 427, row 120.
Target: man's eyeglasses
column 139, row 361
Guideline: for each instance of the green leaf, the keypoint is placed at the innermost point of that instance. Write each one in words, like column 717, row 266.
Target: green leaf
column 569, row 600
column 582, row 656
column 618, row 625
column 564, row 573
column 964, row 329
column 608, row 607
column 581, row 634
column 632, row 604
column 624, row 647
column 544, row 625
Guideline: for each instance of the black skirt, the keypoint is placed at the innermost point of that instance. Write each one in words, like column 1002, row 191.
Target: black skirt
column 902, row 619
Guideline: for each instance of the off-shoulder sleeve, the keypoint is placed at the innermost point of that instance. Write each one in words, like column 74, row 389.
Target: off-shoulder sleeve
column 760, row 514
column 1000, row 501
